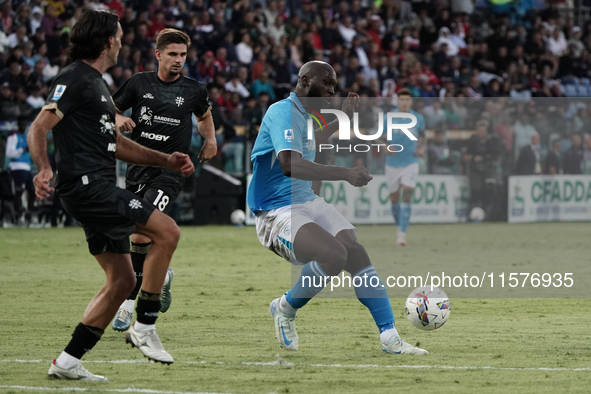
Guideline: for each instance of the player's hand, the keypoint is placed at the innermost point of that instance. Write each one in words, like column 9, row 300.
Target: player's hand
column 359, row 176
column 181, row 163
column 209, row 150
column 124, row 124
column 41, row 182
column 351, row 102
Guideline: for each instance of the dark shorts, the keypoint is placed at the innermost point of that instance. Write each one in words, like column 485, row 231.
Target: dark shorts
column 107, row 213
column 161, row 192
column 23, row 180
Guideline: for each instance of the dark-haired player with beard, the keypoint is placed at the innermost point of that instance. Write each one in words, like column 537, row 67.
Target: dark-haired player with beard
column 162, row 105
column 81, row 113
column 301, row 227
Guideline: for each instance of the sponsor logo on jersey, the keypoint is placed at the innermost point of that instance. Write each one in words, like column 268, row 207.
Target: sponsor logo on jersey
column 166, row 120
column 148, row 96
column 59, row 91
column 155, row 137
column 179, row 101
column 112, row 147
column 145, row 116
column 108, row 127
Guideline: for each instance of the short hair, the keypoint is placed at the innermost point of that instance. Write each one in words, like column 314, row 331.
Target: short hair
column 172, row 36
column 404, row 92
column 90, row 35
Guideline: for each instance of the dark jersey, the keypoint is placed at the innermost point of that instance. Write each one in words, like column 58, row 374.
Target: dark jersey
column 85, row 138
column 162, row 113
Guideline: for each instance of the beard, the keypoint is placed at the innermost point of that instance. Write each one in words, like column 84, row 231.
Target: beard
column 315, row 91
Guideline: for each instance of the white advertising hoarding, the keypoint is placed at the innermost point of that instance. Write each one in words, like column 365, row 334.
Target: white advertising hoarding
column 539, row 198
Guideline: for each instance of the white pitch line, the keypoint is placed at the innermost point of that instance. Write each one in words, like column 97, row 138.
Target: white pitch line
column 280, row 362
column 127, row 390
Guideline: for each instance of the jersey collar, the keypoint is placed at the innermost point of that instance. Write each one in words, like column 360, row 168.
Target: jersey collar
column 294, row 98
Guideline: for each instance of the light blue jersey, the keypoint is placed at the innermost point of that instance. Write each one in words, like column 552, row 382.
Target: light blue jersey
column 284, row 127
column 407, row 156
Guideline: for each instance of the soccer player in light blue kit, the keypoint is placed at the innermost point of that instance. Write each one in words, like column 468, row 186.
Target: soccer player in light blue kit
column 301, row 227
column 402, row 168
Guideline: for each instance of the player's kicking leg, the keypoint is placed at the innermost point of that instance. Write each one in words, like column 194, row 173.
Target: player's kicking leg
column 373, row 294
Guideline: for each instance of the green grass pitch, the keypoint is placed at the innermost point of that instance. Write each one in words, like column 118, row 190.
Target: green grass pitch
column 222, row 338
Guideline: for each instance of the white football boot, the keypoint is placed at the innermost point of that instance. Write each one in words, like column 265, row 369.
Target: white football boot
column 285, row 330
column 149, row 344
column 397, row 345
column 77, row 372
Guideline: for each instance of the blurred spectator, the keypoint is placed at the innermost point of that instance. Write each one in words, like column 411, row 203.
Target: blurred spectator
column 530, row 159
column 556, row 42
column 244, row 50
column 50, row 22
column 553, row 164
column 263, row 85
column 17, row 150
column 481, row 155
column 523, row 131
column 35, row 100
column 19, row 37
column 587, row 154
column 234, row 85
column 573, row 158
column 434, row 114
column 440, row 158
column 206, row 67
column 220, row 62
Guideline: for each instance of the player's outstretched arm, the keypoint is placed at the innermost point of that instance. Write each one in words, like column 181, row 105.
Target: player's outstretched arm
column 295, row 166
column 37, row 140
column 207, row 131
column 134, row 153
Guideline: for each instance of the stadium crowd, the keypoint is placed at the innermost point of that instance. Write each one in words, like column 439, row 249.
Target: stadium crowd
column 504, row 71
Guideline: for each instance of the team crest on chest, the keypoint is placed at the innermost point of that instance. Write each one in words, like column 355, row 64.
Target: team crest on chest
column 108, row 126
column 179, row 101
column 145, row 116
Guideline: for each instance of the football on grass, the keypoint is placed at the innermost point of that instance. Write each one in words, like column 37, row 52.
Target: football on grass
column 427, row 308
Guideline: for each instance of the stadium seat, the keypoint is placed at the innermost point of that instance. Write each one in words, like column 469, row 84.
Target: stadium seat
column 569, row 90
column 582, row 91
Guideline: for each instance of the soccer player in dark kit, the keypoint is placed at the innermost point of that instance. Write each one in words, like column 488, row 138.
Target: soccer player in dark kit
column 162, row 105
column 81, row 114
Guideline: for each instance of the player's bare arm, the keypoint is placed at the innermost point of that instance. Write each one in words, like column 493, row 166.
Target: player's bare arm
column 134, row 153
column 323, row 134
column 295, row 166
column 37, row 140
column 207, row 131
